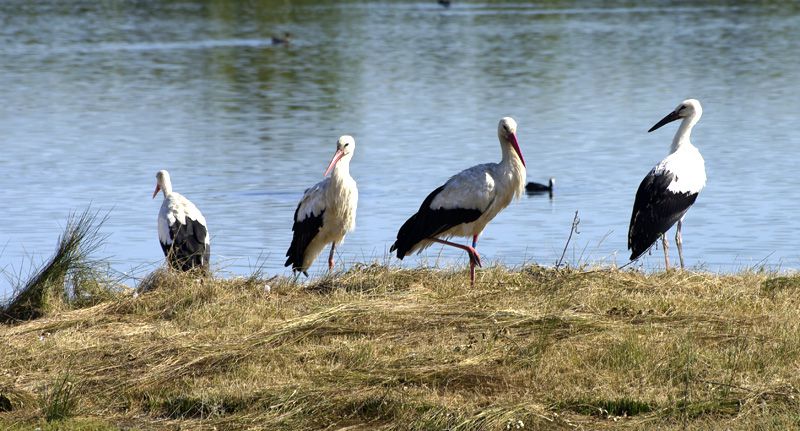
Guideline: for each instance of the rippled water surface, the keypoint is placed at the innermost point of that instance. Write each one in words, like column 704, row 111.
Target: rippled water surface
column 98, row 96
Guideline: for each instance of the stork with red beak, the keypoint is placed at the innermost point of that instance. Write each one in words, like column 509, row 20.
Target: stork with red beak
column 326, row 213
column 182, row 229
column 467, row 202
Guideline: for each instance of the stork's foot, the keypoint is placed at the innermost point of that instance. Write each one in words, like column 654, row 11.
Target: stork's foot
column 474, row 257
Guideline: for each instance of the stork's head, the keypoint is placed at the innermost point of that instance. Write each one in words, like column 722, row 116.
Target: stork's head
column 689, row 108
column 162, row 183
column 344, row 151
column 507, row 132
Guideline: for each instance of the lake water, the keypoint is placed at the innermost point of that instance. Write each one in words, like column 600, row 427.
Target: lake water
column 98, row 96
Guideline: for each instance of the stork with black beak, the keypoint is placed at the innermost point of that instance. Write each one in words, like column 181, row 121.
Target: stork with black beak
column 671, row 187
column 467, row 202
column 326, row 213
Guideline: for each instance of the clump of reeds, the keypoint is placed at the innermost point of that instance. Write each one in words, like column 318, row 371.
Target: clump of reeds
column 60, row 399
column 71, row 271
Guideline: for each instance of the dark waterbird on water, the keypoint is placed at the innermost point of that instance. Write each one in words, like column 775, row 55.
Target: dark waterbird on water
column 282, row 40
column 445, row 3
column 534, row 188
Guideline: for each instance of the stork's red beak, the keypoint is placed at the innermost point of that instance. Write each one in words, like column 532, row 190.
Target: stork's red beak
column 515, row 144
column 338, row 155
column 158, row 188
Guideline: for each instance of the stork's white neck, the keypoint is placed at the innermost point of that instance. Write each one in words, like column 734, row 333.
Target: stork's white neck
column 509, row 155
column 512, row 164
column 342, row 168
column 166, row 187
column 684, row 131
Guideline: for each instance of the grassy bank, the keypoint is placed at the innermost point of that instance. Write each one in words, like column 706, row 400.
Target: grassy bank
column 385, row 348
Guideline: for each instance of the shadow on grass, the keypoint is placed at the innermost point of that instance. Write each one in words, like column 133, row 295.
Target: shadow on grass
column 774, row 285
column 606, row 408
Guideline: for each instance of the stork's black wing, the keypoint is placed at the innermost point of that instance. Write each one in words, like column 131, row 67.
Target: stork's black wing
column 655, row 210
column 428, row 222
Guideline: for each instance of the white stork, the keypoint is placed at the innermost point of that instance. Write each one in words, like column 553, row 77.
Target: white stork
column 671, row 187
column 182, row 229
column 327, row 211
column 467, row 202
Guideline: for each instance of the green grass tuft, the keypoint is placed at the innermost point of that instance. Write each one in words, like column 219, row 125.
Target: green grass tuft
column 70, row 272
column 60, row 399
column 607, row 408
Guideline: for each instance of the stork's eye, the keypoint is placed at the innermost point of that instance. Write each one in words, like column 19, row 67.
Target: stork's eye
column 346, row 144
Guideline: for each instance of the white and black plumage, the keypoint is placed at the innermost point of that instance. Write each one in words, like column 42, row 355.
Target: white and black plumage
column 671, row 187
column 182, row 229
column 326, row 213
column 536, row 188
column 467, row 202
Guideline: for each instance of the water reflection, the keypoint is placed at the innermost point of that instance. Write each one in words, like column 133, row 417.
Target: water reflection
column 100, row 95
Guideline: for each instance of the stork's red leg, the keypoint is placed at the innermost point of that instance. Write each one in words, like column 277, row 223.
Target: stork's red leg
column 474, row 257
column 471, row 273
column 330, row 257
column 472, row 263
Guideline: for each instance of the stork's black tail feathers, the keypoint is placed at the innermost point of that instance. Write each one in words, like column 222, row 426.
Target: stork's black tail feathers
column 428, row 223
column 304, row 233
column 188, row 249
column 406, row 238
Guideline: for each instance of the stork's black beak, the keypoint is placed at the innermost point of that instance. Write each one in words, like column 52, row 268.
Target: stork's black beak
column 672, row 116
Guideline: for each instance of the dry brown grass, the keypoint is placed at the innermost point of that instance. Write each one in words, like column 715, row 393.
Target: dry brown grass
column 385, row 348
